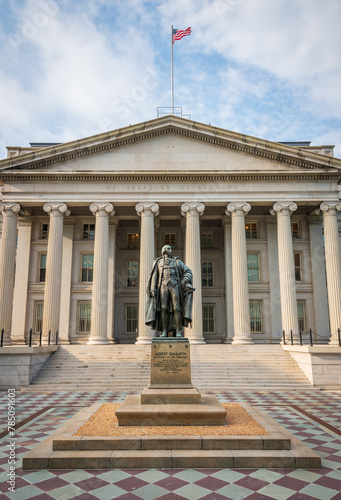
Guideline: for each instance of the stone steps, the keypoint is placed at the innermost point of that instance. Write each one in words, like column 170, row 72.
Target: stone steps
column 127, row 367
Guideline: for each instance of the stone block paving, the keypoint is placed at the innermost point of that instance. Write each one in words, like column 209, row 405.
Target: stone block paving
column 48, row 411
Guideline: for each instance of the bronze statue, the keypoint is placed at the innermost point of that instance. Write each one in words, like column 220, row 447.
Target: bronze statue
column 170, row 291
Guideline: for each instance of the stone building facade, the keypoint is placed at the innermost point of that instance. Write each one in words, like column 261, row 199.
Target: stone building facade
column 256, row 221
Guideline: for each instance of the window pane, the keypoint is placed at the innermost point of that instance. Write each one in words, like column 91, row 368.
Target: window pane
column 84, row 317
column 87, row 267
column 88, row 231
column 42, row 267
column 206, row 240
column 253, row 267
column 251, row 230
column 132, row 273
column 207, row 273
column 301, row 313
column 133, row 240
column 131, row 318
column 256, row 316
column 170, row 239
column 208, row 314
column 38, row 316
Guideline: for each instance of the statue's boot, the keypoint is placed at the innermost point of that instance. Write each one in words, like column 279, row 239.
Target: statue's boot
column 178, row 324
column 164, row 322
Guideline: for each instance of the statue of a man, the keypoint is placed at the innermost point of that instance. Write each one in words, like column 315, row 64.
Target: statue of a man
column 170, row 291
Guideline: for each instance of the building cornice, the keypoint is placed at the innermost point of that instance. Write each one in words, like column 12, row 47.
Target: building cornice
column 173, row 178
column 276, row 152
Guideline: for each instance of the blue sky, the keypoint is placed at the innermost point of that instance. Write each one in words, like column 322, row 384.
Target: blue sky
column 73, row 68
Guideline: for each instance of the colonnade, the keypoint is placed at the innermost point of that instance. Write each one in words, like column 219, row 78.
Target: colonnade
column 13, row 305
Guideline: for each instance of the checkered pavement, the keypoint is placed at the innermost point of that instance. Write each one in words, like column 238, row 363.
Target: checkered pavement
column 48, row 411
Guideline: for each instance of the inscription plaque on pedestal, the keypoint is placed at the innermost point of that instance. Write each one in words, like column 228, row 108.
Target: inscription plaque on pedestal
column 170, row 363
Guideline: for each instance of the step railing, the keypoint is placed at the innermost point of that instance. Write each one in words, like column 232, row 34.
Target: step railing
column 52, row 339
column 309, row 338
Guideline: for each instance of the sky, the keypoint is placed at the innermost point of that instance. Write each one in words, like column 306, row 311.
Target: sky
column 70, row 69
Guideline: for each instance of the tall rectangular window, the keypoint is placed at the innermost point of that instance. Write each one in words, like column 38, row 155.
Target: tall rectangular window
column 88, row 231
column 84, row 317
column 170, row 239
column 38, row 315
column 253, row 267
column 301, row 313
column 132, row 314
column 42, row 267
column 133, row 240
column 87, row 266
column 206, row 240
column 207, row 273
column 44, row 231
column 132, row 273
column 298, row 268
column 251, row 230
column 295, row 229
column 256, row 316
column 208, row 318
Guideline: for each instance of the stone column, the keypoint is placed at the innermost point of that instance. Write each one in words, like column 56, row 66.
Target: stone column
column 113, row 224
column 7, row 265
column 286, row 266
column 241, row 306
column 192, row 212
column 318, row 271
column 64, row 317
column 21, row 280
column 147, row 212
column 53, row 267
column 228, row 278
column 333, row 265
column 99, row 307
column 275, row 296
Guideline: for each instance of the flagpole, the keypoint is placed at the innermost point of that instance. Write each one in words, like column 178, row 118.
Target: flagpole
column 172, row 79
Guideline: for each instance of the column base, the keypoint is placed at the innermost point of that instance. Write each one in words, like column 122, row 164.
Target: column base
column 97, row 340
column 143, row 340
column 196, row 341
column 242, row 340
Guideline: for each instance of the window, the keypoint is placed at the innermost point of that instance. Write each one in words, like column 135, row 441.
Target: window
column 295, row 229
column 132, row 273
column 253, row 267
column 302, row 320
column 207, row 273
column 84, row 317
column 208, row 316
column 38, row 315
column 207, row 240
column 88, row 231
column 298, row 268
column 251, row 230
column 44, row 231
column 133, row 240
column 42, row 267
column 170, row 239
column 87, row 266
column 132, row 313
column 256, row 317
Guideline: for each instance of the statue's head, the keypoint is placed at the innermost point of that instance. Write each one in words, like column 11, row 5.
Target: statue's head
column 166, row 250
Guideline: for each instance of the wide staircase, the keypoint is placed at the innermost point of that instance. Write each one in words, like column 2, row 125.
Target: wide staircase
column 216, row 367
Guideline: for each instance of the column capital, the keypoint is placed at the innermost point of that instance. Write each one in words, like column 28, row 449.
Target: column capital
column 192, row 209
column 283, row 208
column 102, row 209
column 25, row 221
column 226, row 221
column 9, row 208
column 147, row 209
column 330, row 207
column 238, row 208
column 56, row 209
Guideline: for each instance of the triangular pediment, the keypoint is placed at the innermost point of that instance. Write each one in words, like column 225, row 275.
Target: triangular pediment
column 171, row 145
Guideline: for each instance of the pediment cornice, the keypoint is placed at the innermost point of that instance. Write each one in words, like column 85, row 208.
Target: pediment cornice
column 276, row 152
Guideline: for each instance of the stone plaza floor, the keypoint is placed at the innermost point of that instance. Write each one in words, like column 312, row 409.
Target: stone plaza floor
column 312, row 416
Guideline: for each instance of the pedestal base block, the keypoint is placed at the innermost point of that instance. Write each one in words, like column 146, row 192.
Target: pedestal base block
column 209, row 412
column 173, row 396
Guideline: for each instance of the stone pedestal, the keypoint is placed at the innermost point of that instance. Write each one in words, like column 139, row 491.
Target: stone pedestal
column 171, row 399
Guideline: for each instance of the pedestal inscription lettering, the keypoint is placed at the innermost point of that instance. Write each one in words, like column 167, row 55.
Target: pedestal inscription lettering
column 170, row 363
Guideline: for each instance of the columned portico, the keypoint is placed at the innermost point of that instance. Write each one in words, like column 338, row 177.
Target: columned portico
column 241, row 308
column 286, row 266
column 7, row 264
column 53, row 281
column 99, row 310
column 147, row 212
column 333, row 266
column 192, row 212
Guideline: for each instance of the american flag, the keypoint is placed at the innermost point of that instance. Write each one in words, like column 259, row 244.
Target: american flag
column 178, row 34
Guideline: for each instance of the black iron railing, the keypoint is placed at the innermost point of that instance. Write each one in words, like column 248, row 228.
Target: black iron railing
column 34, row 338
column 309, row 338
